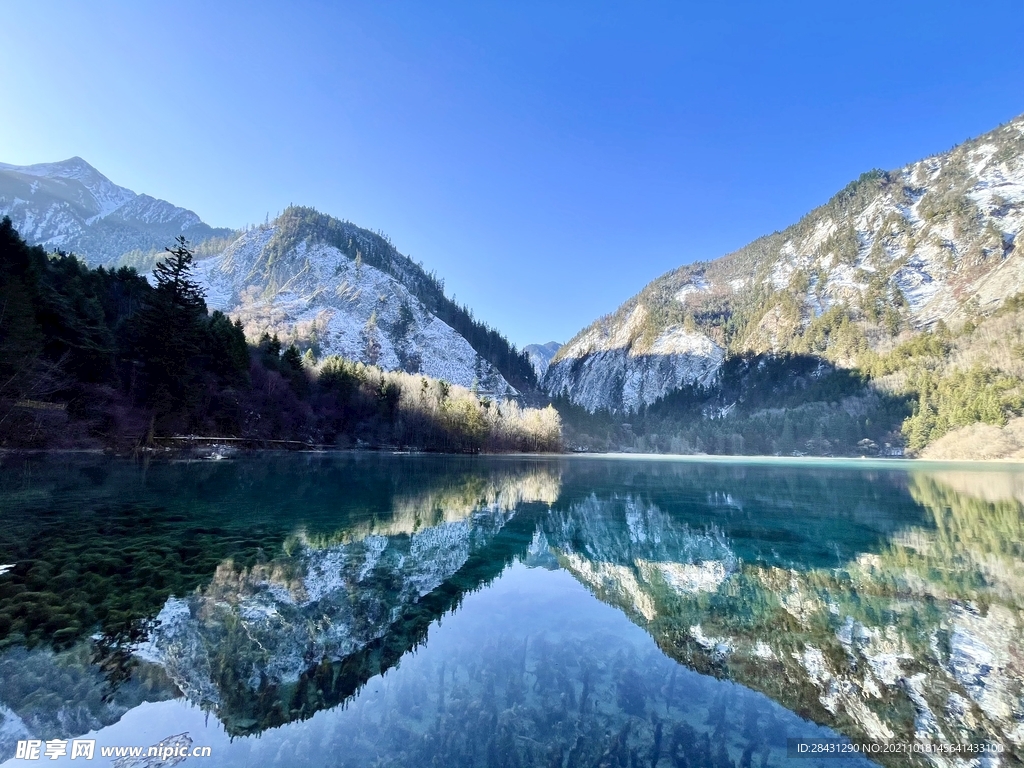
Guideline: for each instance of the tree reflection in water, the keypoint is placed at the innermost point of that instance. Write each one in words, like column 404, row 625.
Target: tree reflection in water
column 883, row 603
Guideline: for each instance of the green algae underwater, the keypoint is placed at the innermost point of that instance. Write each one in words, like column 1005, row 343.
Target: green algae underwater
column 510, row 610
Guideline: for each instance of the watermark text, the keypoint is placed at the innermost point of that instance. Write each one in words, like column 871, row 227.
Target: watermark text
column 176, row 747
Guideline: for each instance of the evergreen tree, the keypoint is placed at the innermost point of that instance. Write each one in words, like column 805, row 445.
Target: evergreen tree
column 20, row 334
column 270, row 351
column 171, row 332
column 293, row 370
column 174, row 278
column 371, row 340
column 226, row 348
column 292, row 359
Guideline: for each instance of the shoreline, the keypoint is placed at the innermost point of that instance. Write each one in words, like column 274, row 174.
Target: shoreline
column 210, row 453
column 736, row 458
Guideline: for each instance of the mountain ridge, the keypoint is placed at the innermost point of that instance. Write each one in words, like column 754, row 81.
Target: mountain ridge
column 69, row 205
column 893, row 252
column 540, row 356
column 287, row 279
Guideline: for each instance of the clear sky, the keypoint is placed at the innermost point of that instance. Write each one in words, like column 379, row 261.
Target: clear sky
column 547, row 159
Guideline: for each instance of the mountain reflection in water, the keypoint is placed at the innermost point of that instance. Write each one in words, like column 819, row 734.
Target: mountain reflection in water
column 378, row 610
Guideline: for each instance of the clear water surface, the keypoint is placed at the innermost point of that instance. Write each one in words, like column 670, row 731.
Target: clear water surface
column 377, row 610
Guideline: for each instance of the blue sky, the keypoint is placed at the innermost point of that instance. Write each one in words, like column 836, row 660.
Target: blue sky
column 546, row 159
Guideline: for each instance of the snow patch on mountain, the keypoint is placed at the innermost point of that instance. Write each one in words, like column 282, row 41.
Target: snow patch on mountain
column 935, row 240
column 73, row 207
column 918, row 230
column 611, row 367
column 339, row 306
column 698, row 285
column 540, row 356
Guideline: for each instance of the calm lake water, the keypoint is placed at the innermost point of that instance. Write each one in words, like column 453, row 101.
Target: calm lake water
column 375, row 610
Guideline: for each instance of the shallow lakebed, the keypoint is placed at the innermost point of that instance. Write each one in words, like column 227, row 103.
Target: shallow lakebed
column 379, row 610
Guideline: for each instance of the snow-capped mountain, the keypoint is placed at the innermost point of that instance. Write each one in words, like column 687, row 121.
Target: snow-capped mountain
column 339, row 289
column 901, row 250
column 73, row 207
column 326, row 284
column 540, row 356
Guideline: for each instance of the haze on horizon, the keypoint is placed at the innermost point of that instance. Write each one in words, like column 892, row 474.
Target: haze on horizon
column 546, row 162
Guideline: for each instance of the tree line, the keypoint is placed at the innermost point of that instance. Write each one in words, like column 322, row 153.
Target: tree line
column 101, row 356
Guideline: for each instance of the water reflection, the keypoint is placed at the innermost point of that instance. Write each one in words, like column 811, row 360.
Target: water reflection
column 884, row 604
column 281, row 640
column 918, row 638
column 239, row 591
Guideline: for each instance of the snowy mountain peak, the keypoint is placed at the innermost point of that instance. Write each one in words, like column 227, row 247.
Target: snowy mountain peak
column 359, row 300
column 72, row 168
column 71, row 206
column 540, row 356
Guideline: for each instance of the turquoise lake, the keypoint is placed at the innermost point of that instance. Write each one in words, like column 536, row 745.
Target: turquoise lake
column 402, row 610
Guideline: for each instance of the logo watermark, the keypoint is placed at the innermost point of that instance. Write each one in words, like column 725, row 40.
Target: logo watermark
column 171, row 751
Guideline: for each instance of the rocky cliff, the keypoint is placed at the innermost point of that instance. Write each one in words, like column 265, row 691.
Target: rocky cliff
column 893, row 253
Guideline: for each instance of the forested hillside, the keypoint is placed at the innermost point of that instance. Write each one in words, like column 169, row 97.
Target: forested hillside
column 316, row 281
column 102, row 357
column 887, row 315
column 284, row 260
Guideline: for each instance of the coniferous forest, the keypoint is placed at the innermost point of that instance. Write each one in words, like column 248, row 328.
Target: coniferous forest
column 102, row 358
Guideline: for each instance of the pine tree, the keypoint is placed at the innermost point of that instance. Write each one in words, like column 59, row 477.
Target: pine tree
column 292, row 368
column 174, row 278
column 226, row 350
column 171, row 332
column 292, row 359
column 371, row 340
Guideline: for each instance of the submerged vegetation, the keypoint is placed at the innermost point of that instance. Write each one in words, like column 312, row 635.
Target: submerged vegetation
column 884, row 604
column 97, row 356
